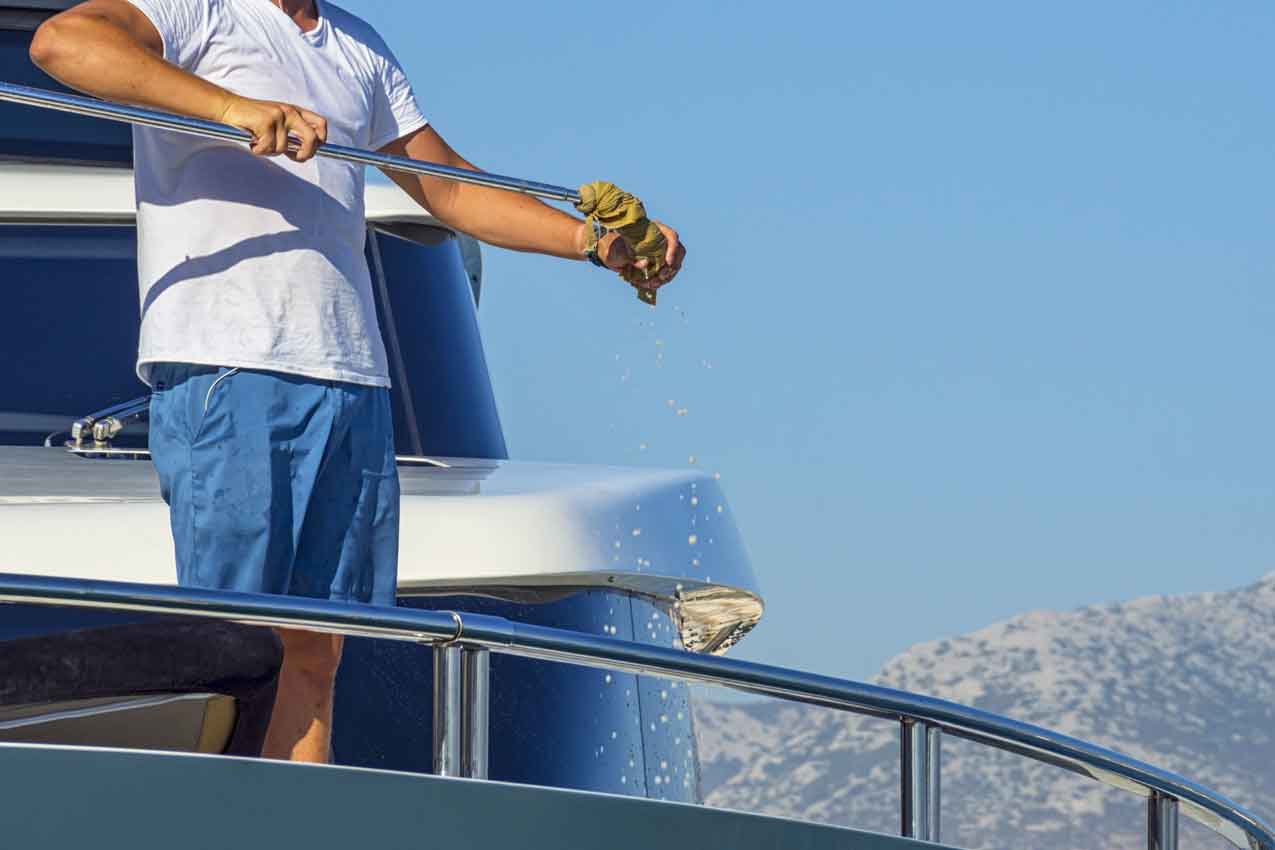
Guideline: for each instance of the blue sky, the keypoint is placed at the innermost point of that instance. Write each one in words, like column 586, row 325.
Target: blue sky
column 978, row 313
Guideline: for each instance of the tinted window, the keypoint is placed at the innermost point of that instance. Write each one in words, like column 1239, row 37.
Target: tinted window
column 69, row 324
column 431, row 312
column 31, row 133
column 68, row 327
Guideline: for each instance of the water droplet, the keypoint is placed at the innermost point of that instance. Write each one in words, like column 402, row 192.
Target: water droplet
column 680, row 716
column 637, row 532
column 671, row 403
column 659, row 342
column 623, row 779
column 607, row 679
column 691, row 460
column 617, row 544
column 717, row 476
column 641, row 447
column 664, row 718
column 720, row 509
column 663, row 694
column 682, row 411
column 695, row 562
column 637, row 507
column 658, row 780
column 614, row 735
column 693, row 539
column 663, row 765
column 694, row 500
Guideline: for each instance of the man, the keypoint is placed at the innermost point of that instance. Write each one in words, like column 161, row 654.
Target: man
column 270, row 422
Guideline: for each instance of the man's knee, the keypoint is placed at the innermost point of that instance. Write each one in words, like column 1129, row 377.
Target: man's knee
column 311, row 653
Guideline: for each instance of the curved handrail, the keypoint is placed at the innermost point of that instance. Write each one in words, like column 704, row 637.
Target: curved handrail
column 1239, row 826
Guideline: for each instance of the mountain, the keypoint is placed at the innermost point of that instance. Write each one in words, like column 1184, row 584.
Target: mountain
column 1186, row 683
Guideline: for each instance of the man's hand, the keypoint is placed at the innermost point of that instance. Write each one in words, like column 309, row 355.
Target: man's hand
column 618, row 257
column 272, row 123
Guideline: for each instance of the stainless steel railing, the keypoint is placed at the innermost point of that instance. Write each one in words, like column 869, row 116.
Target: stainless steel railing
column 462, row 644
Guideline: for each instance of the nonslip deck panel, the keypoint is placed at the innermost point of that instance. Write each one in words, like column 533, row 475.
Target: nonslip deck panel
column 105, row 798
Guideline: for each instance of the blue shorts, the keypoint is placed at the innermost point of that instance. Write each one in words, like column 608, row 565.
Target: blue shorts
column 277, row 483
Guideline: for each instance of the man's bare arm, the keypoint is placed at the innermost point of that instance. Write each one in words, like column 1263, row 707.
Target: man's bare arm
column 109, row 49
column 506, row 219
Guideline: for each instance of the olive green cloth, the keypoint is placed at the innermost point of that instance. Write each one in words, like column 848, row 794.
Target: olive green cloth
column 617, row 210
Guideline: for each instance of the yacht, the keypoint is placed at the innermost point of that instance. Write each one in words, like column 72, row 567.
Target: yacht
column 533, row 683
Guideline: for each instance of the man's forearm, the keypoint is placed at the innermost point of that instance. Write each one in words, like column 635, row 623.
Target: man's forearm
column 97, row 54
column 517, row 222
column 494, row 216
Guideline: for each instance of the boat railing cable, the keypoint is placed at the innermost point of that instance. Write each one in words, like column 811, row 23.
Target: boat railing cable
column 462, row 643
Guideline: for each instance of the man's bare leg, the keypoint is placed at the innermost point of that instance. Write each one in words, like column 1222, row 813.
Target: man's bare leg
column 301, row 725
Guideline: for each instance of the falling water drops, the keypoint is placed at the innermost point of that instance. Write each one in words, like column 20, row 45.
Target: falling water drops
column 693, row 539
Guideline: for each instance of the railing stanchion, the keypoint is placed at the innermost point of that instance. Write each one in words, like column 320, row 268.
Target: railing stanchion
column 447, row 710
column 934, row 778
column 1162, row 822
column 476, row 695
column 920, row 775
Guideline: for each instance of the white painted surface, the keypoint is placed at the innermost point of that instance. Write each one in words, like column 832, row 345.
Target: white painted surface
column 37, row 192
column 513, row 524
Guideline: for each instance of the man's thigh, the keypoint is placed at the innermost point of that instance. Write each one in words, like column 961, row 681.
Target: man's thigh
column 348, row 547
column 237, row 452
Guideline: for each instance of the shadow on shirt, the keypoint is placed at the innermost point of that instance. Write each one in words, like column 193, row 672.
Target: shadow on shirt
column 317, row 217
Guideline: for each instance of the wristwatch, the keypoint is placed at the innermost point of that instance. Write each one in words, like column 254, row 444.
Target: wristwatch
column 591, row 249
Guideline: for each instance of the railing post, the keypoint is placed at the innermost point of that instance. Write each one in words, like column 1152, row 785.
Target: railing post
column 447, row 710
column 1162, row 822
column 920, row 772
column 475, row 695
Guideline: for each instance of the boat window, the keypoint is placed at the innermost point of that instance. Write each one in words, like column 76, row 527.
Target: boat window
column 436, row 356
column 68, row 336
column 38, row 134
column 68, row 330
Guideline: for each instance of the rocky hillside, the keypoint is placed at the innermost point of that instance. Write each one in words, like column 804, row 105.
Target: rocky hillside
column 1186, row 683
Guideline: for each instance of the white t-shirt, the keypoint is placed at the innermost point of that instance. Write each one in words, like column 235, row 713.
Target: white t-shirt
column 258, row 262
